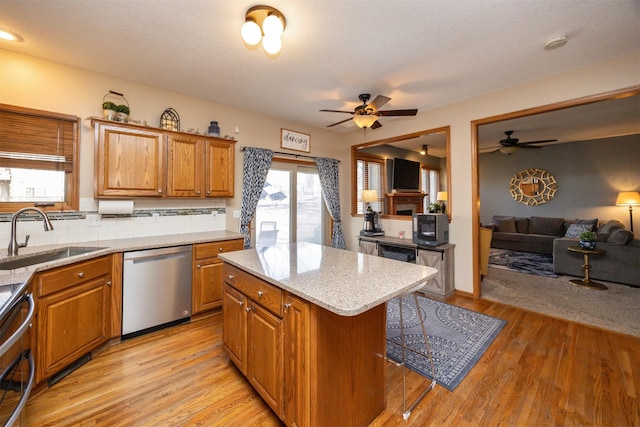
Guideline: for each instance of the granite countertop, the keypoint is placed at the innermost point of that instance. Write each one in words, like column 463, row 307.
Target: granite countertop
column 13, row 281
column 344, row 282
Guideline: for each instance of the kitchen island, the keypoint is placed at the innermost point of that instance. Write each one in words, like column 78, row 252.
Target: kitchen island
column 306, row 324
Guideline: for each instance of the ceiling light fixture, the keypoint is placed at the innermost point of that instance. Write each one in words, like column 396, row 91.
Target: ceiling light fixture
column 556, row 42
column 266, row 24
column 365, row 120
column 9, row 36
column 509, row 150
column 424, row 150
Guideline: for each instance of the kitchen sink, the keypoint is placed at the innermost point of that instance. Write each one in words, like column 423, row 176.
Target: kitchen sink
column 21, row 261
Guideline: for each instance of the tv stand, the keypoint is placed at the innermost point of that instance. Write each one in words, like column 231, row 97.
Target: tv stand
column 413, row 199
column 439, row 257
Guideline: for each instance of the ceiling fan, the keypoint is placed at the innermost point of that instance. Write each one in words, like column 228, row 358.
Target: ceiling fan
column 510, row 145
column 366, row 115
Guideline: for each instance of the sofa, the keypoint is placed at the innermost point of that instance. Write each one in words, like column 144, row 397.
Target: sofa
column 619, row 264
column 534, row 234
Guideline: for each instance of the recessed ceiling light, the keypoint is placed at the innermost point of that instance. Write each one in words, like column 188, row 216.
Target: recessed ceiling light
column 556, row 42
column 9, row 36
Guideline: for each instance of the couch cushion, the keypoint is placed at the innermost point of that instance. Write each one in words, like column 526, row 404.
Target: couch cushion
column 546, row 226
column 522, row 225
column 620, row 237
column 575, row 230
column 505, row 225
column 608, row 227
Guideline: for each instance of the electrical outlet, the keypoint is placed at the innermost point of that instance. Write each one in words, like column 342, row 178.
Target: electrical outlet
column 156, row 217
column 236, row 214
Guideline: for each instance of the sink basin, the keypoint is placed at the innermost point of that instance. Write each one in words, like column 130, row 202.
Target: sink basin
column 21, row 261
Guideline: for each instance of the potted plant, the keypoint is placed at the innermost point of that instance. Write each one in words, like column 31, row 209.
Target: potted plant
column 122, row 112
column 109, row 110
column 588, row 240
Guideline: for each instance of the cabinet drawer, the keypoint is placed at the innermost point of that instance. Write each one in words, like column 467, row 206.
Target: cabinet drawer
column 68, row 276
column 210, row 250
column 266, row 295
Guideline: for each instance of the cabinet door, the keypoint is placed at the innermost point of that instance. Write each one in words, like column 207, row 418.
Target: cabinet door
column 185, row 164
column 297, row 369
column 265, row 355
column 71, row 323
column 219, row 168
column 234, row 333
column 369, row 248
column 434, row 259
column 129, row 161
column 207, row 289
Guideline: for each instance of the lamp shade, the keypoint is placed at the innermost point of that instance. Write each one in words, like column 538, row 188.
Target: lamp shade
column 369, row 195
column 628, row 198
column 442, row 196
column 365, row 120
column 251, row 32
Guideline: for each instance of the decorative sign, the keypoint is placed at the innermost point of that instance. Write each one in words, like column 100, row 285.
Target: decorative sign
column 295, row 140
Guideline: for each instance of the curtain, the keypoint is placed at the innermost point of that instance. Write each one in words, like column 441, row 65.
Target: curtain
column 257, row 162
column 328, row 173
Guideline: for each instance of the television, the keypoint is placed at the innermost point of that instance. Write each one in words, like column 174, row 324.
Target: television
column 406, row 175
column 430, row 229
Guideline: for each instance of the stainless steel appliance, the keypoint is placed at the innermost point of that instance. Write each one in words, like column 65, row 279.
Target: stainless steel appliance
column 371, row 226
column 156, row 289
column 16, row 359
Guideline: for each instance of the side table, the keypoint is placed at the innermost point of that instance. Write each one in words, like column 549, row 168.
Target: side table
column 586, row 281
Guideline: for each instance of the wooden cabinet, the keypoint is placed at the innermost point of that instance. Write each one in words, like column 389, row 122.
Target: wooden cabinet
column 73, row 313
column 207, row 274
column 440, row 258
column 253, row 333
column 129, row 161
column 297, row 372
column 138, row 161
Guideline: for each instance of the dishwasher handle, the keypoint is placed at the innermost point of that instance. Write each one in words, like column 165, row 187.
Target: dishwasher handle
column 155, row 258
column 26, row 324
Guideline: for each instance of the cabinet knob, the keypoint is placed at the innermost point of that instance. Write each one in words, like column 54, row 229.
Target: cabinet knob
column 108, row 282
column 159, row 190
column 198, row 266
column 248, row 309
column 230, row 277
column 208, row 192
column 260, row 293
column 221, row 250
column 81, row 274
column 198, row 192
column 286, row 307
column 240, row 303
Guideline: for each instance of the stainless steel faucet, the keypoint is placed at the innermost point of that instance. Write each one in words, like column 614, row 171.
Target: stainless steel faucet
column 13, row 242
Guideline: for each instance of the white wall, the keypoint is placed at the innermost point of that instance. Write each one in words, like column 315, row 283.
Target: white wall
column 34, row 83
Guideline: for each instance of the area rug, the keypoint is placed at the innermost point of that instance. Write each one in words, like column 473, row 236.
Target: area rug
column 615, row 309
column 522, row 262
column 458, row 337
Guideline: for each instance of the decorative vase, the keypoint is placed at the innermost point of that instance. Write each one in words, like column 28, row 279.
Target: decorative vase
column 587, row 244
column 214, row 129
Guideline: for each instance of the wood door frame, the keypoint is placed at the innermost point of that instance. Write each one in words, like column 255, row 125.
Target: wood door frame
column 475, row 174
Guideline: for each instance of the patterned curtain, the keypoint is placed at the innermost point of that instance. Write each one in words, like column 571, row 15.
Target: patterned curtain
column 328, row 173
column 257, row 162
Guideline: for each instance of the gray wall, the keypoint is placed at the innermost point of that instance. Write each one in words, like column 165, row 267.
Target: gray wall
column 589, row 174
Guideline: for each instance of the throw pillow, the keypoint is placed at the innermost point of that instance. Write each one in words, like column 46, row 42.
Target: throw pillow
column 592, row 222
column 522, row 225
column 546, row 226
column 608, row 227
column 505, row 225
column 575, row 230
column 620, row 237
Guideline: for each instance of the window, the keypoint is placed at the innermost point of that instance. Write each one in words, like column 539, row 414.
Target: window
column 370, row 176
column 430, row 184
column 285, row 216
column 39, row 153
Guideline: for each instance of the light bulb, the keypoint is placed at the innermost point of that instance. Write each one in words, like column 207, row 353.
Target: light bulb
column 251, row 33
column 272, row 26
column 271, row 44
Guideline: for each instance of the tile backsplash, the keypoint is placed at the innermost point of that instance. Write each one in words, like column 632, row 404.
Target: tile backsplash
column 84, row 226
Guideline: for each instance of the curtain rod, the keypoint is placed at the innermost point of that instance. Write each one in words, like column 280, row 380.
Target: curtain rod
column 290, row 154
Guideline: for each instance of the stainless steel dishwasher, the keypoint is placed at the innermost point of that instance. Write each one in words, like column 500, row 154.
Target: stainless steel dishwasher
column 156, row 289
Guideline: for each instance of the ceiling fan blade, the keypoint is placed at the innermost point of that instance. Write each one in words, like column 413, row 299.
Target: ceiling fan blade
column 542, row 141
column 528, row 147
column 378, row 102
column 410, row 112
column 337, row 123
column 337, row 111
column 376, row 125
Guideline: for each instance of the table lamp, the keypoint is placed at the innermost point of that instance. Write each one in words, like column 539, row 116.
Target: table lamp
column 369, row 196
column 442, row 197
column 631, row 199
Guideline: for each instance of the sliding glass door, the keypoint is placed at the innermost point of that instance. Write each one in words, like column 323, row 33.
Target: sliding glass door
column 291, row 208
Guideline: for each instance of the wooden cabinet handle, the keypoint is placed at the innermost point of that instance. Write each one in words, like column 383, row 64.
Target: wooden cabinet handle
column 81, row 274
column 286, row 307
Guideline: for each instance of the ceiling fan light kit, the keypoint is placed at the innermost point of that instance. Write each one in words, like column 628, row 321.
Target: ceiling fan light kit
column 366, row 115
column 266, row 24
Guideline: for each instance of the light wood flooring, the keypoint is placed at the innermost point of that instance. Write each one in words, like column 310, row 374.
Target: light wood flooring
column 539, row 371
